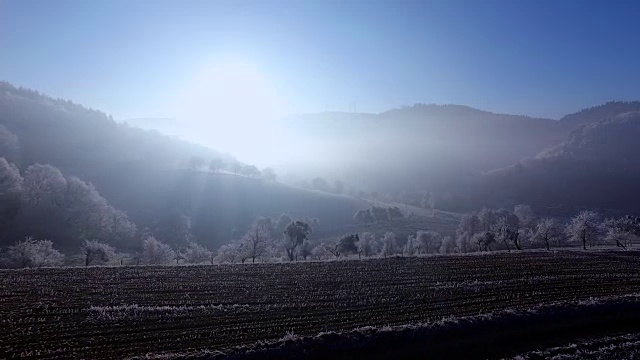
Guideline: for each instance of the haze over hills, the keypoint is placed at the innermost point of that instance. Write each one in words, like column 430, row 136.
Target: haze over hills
column 422, row 147
column 146, row 174
column 596, row 166
column 464, row 158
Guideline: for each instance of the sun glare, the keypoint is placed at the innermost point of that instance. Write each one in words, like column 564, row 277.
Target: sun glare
column 233, row 107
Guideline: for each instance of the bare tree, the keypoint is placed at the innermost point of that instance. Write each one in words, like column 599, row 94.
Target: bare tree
column 235, row 168
column 427, row 240
column 366, row 244
column 411, row 246
column 484, row 240
column 257, row 241
column 389, row 244
column 507, row 229
column 584, row 227
column 546, row 230
column 332, row 246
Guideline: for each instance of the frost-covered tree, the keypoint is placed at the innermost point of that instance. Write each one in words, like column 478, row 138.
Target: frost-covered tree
column 69, row 209
column 484, row 239
column 332, row 246
column 623, row 230
column 250, row 171
column 319, row 252
column 295, row 234
column 87, row 214
column 32, row 253
column 428, row 241
column 366, row 244
column 155, row 252
column 257, row 241
column 230, row 253
column 448, row 245
column 44, row 188
column 195, row 253
column 389, row 244
column 487, row 219
column 547, row 230
column 584, row 227
column 10, row 193
column 97, row 253
column 410, row 248
column 507, row 229
column 469, row 226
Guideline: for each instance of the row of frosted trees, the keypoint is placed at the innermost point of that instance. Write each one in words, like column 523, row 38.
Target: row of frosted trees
column 286, row 239
column 266, row 240
column 502, row 229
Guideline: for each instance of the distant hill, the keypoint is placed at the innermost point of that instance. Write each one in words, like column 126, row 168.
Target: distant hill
column 600, row 112
column 464, row 157
column 596, row 166
column 423, row 146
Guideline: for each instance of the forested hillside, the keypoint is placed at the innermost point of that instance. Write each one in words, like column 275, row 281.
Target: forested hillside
column 595, row 167
column 447, row 157
column 152, row 183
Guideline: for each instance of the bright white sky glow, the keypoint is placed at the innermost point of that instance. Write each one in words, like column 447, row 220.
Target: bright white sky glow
column 232, row 106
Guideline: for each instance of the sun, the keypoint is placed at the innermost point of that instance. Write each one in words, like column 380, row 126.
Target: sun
column 232, row 106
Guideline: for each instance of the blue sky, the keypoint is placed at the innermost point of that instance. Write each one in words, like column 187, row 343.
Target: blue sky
column 131, row 58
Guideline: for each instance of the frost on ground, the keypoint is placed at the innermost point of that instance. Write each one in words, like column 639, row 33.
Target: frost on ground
column 606, row 348
column 425, row 339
